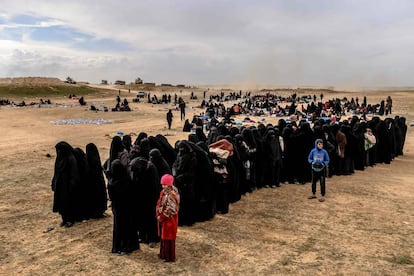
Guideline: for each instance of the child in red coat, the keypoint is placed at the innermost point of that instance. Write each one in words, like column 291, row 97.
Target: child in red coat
column 167, row 215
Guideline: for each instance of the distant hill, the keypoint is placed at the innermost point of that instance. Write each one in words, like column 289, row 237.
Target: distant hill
column 31, row 81
column 41, row 87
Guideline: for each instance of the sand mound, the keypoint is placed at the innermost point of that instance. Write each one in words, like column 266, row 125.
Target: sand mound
column 32, row 81
column 365, row 226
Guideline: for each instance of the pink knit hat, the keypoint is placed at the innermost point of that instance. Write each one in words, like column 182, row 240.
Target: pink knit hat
column 167, row 179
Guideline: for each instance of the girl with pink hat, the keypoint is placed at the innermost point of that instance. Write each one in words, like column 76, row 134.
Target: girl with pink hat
column 167, row 215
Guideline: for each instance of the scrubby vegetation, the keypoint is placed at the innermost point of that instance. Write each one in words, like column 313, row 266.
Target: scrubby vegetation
column 17, row 91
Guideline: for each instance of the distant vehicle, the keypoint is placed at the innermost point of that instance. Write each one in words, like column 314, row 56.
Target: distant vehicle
column 119, row 82
column 138, row 81
column 104, row 82
column 141, row 94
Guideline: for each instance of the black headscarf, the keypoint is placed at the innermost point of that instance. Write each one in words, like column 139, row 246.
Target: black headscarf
column 116, row 147
column 98, row 197
column 159, row 162
column 127, row 142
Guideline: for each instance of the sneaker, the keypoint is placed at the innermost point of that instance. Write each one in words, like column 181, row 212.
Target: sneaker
column 312, row 197
column 321, row 199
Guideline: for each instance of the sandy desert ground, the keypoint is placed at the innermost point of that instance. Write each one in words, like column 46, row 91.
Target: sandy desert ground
column 365, row 227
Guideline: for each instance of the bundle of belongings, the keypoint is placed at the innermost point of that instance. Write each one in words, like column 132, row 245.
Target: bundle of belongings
column 219, row 152
column 318, row 166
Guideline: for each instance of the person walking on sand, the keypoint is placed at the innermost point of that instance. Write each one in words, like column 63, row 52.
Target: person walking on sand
column 167, row 216
column 169, row 118
column 319, row 159
column 181, row 105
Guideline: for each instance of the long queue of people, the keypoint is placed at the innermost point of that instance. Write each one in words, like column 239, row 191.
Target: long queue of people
column 78, row 184
column 210, row 171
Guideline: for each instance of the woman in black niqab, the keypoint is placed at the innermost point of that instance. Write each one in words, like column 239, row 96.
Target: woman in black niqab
column 98, row 197
column 116, row 151
column 119, row 193
column 65, row 182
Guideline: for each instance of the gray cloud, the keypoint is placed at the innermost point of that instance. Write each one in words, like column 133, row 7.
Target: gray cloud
column 326, row 43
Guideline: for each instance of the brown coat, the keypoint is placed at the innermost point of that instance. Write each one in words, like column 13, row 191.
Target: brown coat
column 341, row 141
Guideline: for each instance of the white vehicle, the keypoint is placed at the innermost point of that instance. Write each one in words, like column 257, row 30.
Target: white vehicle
column 141, row 94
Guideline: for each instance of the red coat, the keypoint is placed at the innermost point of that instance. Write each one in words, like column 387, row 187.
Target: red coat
column 167, row 226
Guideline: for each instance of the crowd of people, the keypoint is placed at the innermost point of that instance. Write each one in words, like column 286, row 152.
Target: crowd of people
column 215, row 170
column 78, row 184
column 279, row 106
column 121, row 106
column 23, row 103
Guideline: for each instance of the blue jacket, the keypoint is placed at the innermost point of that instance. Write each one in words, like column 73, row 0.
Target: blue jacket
column 317, row 155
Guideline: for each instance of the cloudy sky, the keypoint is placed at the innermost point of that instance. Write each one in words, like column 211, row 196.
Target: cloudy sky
column 282, row 42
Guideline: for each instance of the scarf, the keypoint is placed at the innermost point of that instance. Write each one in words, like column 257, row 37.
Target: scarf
column 170, row 202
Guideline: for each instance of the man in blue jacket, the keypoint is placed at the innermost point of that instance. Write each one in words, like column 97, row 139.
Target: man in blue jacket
column 319, row 159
